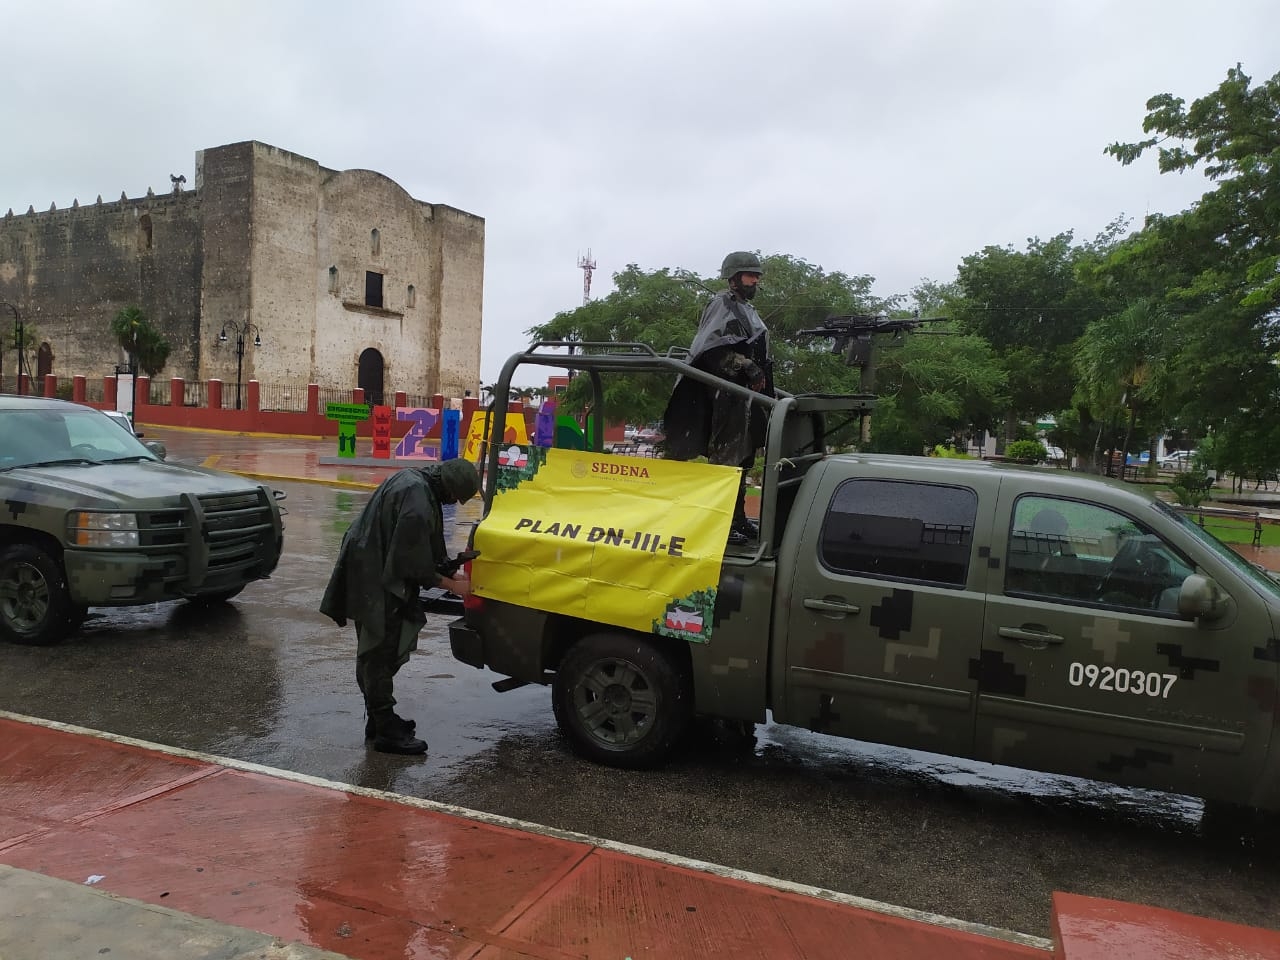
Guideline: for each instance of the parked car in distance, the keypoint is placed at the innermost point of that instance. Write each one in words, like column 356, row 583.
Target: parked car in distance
column 124, row 420
column 95, row 518
column 155, row 446
column 1178, row 460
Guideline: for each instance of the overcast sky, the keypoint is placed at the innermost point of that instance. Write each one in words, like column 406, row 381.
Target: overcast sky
column 889, row 139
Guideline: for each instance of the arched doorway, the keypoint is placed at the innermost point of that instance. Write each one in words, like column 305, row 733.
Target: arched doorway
column 369, row 378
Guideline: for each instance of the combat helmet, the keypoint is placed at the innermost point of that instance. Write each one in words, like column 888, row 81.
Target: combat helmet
column 740, row 261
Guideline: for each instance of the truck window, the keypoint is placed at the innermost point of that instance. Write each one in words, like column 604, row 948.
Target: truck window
column 1075, row 552
column 900, row 531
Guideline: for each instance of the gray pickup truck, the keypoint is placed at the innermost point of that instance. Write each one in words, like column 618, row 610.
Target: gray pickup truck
column 91, row 517
column 1018, row 615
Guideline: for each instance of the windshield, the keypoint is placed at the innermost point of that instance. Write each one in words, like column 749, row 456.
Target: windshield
column 1259, row 577
column 72, row 434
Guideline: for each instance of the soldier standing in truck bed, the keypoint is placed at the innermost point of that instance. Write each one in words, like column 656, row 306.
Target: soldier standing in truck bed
column 733, row 343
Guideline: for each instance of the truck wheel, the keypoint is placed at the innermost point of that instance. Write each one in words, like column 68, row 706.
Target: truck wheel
column 622, row 700
column 35, row 604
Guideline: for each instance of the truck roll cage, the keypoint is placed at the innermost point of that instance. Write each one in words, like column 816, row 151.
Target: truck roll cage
column 797, row 424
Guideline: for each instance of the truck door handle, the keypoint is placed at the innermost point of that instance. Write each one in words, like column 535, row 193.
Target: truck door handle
column 1025, row 636
column 830, row 606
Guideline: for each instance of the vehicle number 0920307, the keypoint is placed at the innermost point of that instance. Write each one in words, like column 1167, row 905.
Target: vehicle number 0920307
column 1120, row 680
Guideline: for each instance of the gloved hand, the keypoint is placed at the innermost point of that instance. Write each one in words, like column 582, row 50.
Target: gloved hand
column 452, row 566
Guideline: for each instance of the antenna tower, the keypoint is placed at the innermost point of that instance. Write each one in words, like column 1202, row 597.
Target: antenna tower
column 586, row 265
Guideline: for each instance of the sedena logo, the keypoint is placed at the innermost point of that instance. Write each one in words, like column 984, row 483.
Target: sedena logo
column 579, row 469
column 620, row 470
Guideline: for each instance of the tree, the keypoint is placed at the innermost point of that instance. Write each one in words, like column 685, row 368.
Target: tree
column 658, row 309
column 1245, row 445
column 526, row 394
column 935, row 387
column 31, row 339
column 1119, row 362
column 1235, row 132
column 147, row 349
column 1031, row 306
column 1216, row 266
column 798, row 295
column 661, row 309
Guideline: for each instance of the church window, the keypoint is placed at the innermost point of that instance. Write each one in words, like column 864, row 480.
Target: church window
column 375, row 242
column 411, row 296
column 333, row 280
column 372, row 288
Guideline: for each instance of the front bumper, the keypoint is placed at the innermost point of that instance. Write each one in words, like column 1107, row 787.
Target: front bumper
column 209, row 544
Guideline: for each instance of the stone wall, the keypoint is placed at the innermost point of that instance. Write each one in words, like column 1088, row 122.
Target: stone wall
column 70, row 271
column 271, row 245
column 353, row 204
column 460, row 294
column 224, row 181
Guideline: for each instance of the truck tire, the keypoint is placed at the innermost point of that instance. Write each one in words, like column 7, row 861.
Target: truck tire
column 622, row 700
column 35, row 604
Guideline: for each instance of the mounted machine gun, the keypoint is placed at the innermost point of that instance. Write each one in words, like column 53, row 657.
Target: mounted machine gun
column 852, row 338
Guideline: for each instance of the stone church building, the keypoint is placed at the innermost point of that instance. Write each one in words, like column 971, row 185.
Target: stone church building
column 344, row 278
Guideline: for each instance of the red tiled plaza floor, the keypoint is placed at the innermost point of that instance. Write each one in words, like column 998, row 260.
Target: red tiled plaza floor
column 373, row 878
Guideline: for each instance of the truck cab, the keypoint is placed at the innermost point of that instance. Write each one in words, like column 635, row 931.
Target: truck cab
column 1017, row 615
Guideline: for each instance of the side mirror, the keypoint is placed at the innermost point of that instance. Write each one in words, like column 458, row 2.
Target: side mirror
column 158, row 448
column 1201, row 599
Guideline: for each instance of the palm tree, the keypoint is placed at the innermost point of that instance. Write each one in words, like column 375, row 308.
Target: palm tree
column 1118, row 360
column 146, row 348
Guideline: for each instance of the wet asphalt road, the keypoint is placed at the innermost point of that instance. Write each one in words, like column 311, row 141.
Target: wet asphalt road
column 268, row 679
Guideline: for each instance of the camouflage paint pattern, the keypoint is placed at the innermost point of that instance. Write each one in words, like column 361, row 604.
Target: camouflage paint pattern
column 1052, row 668
column 200, row 531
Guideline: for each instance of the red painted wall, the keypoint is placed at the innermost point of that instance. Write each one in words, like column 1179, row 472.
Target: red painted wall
column 252, row 420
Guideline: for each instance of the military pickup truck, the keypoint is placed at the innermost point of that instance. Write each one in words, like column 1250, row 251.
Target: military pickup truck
column 1018, row 615
column 92, row 517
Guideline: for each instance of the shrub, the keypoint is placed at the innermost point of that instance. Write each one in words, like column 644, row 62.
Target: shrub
column 951, row 453
column 1191, row 487
column 1027, row 450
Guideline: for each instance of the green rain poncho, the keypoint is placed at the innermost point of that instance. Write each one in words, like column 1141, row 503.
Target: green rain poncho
column 393, row 548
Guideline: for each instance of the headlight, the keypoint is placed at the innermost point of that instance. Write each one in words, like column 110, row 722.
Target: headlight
column 85, row 529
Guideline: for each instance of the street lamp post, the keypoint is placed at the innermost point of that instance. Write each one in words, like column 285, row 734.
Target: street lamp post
column 241, row 330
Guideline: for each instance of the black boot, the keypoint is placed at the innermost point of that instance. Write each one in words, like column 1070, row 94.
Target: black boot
column 400, row 742
column 370, row 728
column 391, row 735
column 743, row 531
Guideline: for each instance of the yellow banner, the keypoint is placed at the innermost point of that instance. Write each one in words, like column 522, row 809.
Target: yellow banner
column 629, row 541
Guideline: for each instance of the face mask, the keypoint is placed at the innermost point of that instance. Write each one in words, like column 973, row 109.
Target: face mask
column 745, row 291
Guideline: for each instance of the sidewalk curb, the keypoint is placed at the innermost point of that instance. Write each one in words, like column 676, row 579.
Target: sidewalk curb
column 277, row 478
column 232, row 433
column 523, row 826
